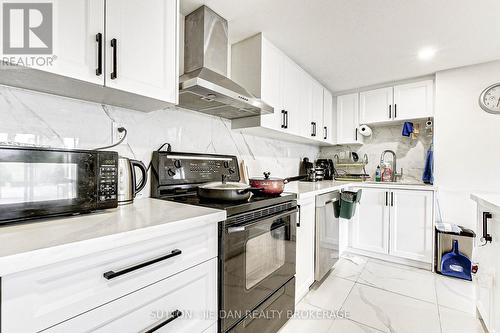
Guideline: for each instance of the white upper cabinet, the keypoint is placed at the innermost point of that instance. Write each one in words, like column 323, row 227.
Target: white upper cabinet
column 78, row 34
column 316, row 131
column 398, row 103
column 348, row 119
column 328, row 132
column 375, row 106
column 271, row 85
column 296, row 97
column 141, row 47
column 414, row 100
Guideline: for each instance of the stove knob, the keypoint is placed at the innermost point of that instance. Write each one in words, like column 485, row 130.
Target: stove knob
column 226, row 164
column 177, row 164
column 171, row 172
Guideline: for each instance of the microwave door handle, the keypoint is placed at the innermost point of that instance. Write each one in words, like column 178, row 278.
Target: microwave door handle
column 232, row 230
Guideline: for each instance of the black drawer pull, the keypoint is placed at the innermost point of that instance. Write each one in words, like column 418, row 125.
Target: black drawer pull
column 114, row 46
column 112, row 274
column 98, row 39
column 176, row 314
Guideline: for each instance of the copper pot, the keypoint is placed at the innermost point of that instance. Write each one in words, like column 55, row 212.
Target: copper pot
column 271, row 185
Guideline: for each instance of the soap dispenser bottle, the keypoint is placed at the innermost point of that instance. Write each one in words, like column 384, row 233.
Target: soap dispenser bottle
column 378, row 174
column 387, row 173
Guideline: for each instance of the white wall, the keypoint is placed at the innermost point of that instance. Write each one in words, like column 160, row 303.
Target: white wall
column 466, row 141
column 41, row 119
column 411, row 153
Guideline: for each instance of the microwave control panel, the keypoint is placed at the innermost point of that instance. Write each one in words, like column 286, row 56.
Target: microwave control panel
column 107, row 179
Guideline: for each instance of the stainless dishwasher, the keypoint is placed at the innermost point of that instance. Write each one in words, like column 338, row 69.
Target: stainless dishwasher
column 327, row 234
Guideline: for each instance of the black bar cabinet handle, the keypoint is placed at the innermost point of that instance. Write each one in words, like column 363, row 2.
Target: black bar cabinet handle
column 392, row 199
column 390, row 111
column 386, row 199
column 283, row 119
column 114, row 46
column 298, row 217
column 326, row 133
column 286, row 119
column 315, row 129
column 176, row 314
column 112, row 274
column 486, row 236
column 356, row 134
column 98, row 39
column 395, row 111
column 312, row 128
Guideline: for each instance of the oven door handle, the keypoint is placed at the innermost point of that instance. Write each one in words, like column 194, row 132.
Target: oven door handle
column 241, row 228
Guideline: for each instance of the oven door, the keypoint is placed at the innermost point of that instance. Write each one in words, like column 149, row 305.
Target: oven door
column 38, row 182
column 258, row 259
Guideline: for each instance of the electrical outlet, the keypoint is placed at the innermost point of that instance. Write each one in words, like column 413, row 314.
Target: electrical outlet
column 117, row 136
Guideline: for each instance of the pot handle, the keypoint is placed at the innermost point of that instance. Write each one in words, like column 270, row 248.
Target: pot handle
column 138, row 187
column 250, row 189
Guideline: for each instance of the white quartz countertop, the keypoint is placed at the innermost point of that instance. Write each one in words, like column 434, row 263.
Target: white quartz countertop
column 309, row 189
column 487, row 200
column 28, row 245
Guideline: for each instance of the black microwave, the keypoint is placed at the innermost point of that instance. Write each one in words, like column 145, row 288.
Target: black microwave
column 40, row 182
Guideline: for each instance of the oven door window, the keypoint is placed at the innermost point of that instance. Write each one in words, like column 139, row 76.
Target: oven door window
column 266, row 251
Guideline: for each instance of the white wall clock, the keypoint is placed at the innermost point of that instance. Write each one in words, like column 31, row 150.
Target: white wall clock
column 489, row 100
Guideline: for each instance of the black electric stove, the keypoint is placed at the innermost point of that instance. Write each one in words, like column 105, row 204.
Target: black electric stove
column 257, row 242
column 176, row 177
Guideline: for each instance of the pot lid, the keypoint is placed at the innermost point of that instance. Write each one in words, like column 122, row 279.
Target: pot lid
column 266, row 177
column 228, row 186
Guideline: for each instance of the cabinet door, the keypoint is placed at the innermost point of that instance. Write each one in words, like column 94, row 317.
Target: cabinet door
column 272, row 84
column 414, row 100
column 371, row 222
column 303, row 117
column 375, row 106
column 146, row 47
column 326, row 132
column 76, row 24
column 304, row 276
column 317, row 111
column 347, row 119
column 292, row 94
column 411, row 224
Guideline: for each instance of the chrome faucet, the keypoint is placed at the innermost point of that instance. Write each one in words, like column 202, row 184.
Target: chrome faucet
column 395, row 174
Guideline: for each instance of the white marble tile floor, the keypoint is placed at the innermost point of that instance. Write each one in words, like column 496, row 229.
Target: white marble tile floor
column 364, row 295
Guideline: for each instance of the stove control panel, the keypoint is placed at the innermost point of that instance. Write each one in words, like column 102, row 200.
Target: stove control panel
column 184, row 168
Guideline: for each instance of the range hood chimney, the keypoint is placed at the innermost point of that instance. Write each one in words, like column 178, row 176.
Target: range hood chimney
column 205, row 86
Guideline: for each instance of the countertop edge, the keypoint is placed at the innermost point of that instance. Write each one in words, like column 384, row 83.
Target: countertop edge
column 15, row 263
column 480, row 199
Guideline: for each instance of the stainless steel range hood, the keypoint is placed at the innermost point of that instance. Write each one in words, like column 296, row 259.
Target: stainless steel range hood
column 205, row 87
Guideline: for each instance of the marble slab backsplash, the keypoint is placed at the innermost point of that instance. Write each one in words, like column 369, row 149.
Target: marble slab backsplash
column 49, row 120
column 411, row 153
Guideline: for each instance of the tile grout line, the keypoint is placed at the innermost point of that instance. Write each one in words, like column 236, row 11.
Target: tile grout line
column 358, row 322
column 396, row 293
column 437, row 306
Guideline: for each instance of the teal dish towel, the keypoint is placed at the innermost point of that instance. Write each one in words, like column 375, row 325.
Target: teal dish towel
column 428, row 177
column 407, row 128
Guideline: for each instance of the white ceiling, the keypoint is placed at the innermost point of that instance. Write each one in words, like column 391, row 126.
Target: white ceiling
column 353, row 43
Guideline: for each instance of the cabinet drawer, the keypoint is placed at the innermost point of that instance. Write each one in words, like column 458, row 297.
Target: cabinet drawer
column 192, row 292
column 37, row 299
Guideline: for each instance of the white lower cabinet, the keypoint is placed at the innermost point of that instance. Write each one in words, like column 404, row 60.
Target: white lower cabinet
column 394, row 222
column 40, row 298
column 370, row 228
column 411, row 225
column 183, row 303
column 304, row 276
column 486, row 280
